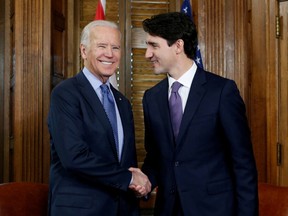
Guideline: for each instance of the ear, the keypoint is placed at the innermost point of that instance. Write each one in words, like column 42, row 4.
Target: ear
column 179, row 46
column 83, row 51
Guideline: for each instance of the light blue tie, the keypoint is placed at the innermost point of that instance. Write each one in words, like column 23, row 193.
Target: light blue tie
column 109, row 106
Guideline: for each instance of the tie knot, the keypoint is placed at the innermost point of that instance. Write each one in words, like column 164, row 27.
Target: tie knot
column 104, row 88
column 176, row 86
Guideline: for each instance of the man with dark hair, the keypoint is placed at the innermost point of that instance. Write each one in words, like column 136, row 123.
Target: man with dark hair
column 199, row 150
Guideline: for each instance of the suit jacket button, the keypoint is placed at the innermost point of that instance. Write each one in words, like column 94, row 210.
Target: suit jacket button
column 176, row 163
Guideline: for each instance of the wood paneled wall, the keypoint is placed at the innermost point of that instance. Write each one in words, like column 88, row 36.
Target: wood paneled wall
column 32, row 84
column 223, row 38
column 5, row 56
column 236, row 39
column 263, row 87
column 2, row 65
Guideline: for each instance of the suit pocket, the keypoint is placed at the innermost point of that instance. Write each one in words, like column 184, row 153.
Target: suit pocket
column 73, row 200
column 220, row 186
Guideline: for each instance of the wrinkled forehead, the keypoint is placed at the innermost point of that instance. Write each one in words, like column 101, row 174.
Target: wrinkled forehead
column 106, row 31
column 105, row 34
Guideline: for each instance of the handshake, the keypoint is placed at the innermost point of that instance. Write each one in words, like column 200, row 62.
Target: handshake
column 140, row 183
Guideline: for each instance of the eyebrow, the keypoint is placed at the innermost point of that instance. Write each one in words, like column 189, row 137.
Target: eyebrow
column 107, row 44
column 151, row 43
column 101, row 43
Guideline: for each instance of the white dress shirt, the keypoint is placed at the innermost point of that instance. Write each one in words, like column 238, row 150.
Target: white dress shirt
column 186, row 81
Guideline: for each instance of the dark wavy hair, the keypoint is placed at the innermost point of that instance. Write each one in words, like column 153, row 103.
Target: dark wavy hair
column 173, row 26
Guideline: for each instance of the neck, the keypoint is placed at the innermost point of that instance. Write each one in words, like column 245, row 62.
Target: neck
column 181, row 68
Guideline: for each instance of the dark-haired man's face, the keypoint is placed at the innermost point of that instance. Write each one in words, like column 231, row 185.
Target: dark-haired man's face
column 160, row 54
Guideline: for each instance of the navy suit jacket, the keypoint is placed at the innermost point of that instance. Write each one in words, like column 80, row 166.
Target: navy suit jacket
column 211, row 164
column 86, row 177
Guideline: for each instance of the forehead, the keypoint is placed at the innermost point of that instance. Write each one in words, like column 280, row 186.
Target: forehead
column 150, row 39
column 105, row 33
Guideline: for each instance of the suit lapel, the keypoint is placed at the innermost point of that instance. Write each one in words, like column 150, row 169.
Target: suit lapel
column 161, row 98
column 89, row 94
column 197, row 91
column 124, row 119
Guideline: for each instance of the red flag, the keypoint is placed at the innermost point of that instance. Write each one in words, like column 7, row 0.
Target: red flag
column 100, row 10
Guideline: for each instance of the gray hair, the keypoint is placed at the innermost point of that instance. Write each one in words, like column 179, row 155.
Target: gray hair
column 85, row 40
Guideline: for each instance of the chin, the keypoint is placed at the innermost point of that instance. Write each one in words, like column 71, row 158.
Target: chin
column 108, row 73
column 159, row 71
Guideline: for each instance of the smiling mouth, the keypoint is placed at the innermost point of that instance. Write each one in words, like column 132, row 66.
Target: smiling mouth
column 106, row 63
column 154, row 62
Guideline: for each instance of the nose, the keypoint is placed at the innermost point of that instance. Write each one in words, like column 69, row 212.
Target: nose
column 148, row 53
column 109, row 51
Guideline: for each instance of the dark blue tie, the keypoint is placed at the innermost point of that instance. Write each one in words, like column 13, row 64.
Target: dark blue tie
column 175, row 105
column 109, row 106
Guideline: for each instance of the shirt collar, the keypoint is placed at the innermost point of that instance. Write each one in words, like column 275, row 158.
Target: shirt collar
column 186, row 79
column 95, row 82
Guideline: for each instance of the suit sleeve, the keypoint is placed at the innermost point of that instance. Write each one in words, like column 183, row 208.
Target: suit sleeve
column 150, row 164
column 235, row 125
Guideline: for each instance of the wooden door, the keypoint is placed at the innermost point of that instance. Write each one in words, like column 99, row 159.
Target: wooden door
column 283, row 93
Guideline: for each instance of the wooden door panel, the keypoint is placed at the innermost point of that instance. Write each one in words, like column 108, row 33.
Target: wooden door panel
column 58, row 41
column 283, row 91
